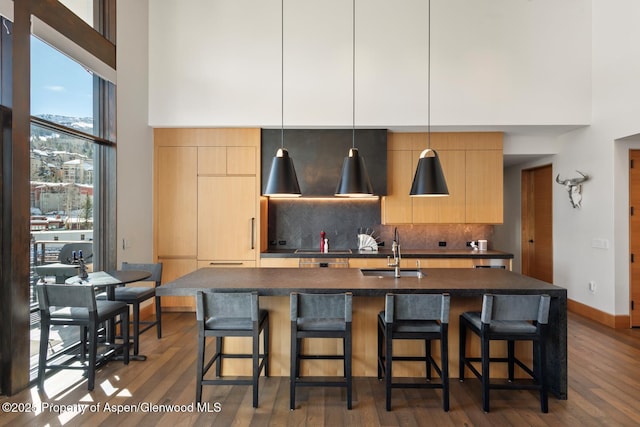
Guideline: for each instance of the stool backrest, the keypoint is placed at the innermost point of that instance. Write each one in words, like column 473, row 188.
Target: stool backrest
column 516, row 307
column 73, row 296
column 154, row 268
column 230, row 305
column 321, row 306
column 417, row 307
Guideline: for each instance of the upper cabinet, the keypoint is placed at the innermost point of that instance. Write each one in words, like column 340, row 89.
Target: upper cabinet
column 472, row 165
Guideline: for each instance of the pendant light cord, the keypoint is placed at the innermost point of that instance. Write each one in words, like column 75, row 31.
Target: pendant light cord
column 353, row 78
column 429, row 78
column 282, row 72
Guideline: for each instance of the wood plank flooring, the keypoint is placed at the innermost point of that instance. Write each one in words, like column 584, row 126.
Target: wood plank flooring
column 604, row 390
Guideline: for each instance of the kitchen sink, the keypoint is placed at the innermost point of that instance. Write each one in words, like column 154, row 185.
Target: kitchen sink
column 317, row 251
column 390, row 272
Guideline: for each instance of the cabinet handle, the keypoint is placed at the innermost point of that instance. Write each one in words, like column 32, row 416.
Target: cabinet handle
column 226, row 263
column 253, row 233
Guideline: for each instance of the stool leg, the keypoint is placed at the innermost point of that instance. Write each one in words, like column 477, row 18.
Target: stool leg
column 200, row 366
column 293, row 367
column 380, row 341
column 544, row 398
column 93, row 348
column 265, row 334
column 444, row 357
column 159, row 317
column 42, row 360
column 485, row 374
column 219, row 350
column 388, row 358
column 136, row 329
column 427, row 354
column 510, row 359
column 348, row 357
column 462, row 350
column 255, row 358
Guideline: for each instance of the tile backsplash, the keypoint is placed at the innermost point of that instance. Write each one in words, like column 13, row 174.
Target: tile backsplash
column 297, row 223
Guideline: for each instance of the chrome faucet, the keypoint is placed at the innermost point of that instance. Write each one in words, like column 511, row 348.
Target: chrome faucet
column 397, row 257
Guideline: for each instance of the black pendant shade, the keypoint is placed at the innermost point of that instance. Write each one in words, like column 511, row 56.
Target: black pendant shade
column 283, row 181
column 354, row 179
column 429, row 179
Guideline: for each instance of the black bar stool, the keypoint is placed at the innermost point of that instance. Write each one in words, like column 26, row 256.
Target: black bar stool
column 320, row 316
column 415, row 317
column 508, row 318
column 222, row 315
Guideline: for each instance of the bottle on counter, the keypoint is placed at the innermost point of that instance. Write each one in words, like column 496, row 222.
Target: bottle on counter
column 322, row 241
column 326, row 246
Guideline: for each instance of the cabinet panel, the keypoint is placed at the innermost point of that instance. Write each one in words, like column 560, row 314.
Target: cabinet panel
column 241, row 161
column 280, row 262
column 484, row 184
column 227, row 218
column 212, row 160
column 176, row 190
column 448, row 209
column 368, row 263
column 396, row 206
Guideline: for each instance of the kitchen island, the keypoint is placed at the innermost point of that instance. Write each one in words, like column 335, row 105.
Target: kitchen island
column 465, row 285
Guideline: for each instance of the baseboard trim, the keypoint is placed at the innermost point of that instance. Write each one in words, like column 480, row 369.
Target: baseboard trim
column 610, row 320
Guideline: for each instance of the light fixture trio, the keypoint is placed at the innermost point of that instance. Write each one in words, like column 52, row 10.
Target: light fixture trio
column 354, row 181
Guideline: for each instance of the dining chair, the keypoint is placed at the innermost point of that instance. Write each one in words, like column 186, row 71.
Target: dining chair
column 136, row 295
column 66, row 266
column 422, row 317
column 508, row 318
column 76, row 305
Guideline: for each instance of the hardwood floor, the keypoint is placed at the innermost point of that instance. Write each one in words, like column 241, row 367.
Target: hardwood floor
column 604, row 386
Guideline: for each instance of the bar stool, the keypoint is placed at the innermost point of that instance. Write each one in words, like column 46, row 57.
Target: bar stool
column 76, row 305
column 222, row 315
column 508, row 318
column 320, row 316
column 414, row 317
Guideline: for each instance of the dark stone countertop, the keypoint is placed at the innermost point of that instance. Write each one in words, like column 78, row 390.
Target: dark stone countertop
column 384, row 253
column 463, row 282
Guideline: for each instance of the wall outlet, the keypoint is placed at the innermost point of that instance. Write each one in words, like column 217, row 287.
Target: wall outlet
column 592, row 287
column 442, row 243
column 282, row 242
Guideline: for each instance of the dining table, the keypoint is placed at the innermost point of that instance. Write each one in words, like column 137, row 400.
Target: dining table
column 109, row 280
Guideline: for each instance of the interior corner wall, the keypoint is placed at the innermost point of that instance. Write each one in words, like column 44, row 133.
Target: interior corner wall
column 134, row 136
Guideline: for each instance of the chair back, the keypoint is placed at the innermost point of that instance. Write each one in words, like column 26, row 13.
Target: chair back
column 516, row 308
column 227, row 305
column 154, row 268
column 417, row 307
column 321, row 306
column 66, row 253
column 73, row 296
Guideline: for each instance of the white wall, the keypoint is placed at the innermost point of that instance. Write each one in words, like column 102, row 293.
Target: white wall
column 135, row 139
column 493, row 62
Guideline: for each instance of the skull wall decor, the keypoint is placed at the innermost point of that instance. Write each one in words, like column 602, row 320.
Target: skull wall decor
column 574, row 188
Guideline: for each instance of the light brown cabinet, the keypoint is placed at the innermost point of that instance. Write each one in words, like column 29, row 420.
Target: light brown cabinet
column 472, row 164
column 206, row 210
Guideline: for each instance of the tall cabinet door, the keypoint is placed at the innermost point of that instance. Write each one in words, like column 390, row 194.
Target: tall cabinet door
column 176, row 183
column 227, row 218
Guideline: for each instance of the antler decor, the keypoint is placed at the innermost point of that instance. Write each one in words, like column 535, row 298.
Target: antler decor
column 574, row 187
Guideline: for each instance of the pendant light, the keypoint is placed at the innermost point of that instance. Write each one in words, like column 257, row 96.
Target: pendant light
column 283, row 181
column 354, row 179
column 429, row 179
